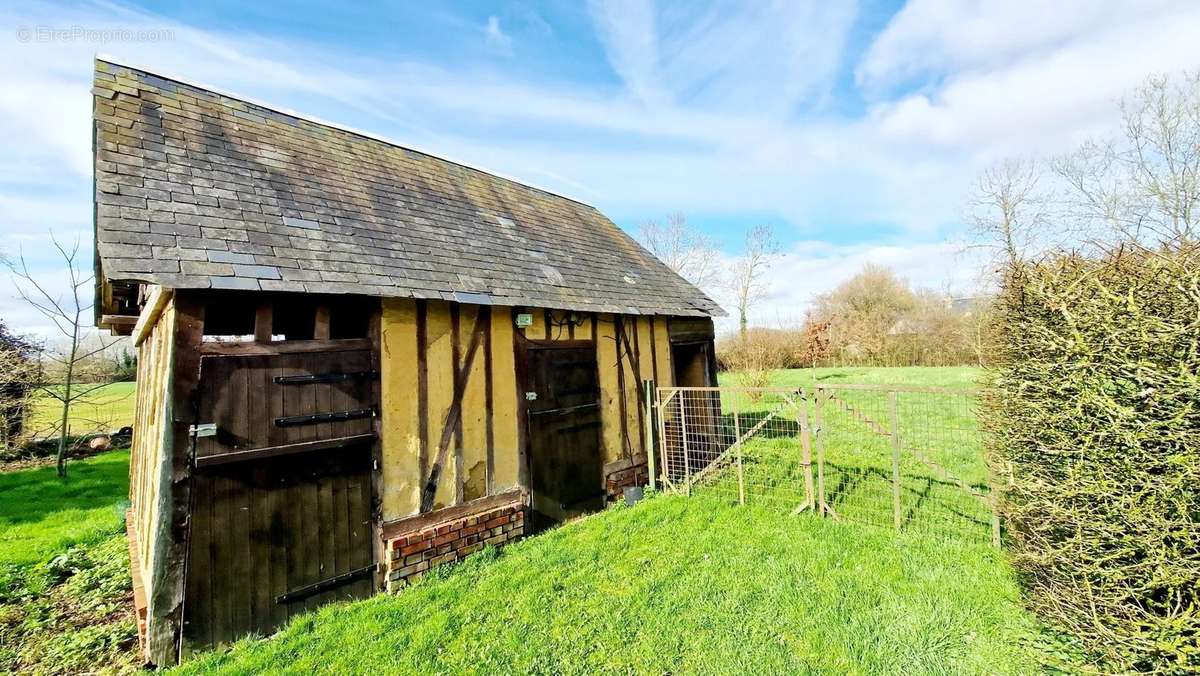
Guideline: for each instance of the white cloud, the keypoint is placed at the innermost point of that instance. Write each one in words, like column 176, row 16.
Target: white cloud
column 496, row 38
column 810, row 268
column 946, row 36
column 761, row 58
column 1022, row 82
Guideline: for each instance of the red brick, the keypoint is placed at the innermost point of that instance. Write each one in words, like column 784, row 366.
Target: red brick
column 417, row 547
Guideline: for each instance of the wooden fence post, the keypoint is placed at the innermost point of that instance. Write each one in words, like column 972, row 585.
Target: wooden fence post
column 806, row 447
column 648, row 431
column 995, row 503
column 895, row 414
column 820, row 441
column 662, row 436
column 737, row 435
column 687, row 463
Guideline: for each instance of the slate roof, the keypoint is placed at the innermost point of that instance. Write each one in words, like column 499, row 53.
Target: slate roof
column 196, row 189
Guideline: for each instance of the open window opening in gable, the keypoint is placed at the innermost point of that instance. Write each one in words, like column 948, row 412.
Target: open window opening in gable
column 350, row 317
column 246, row 318
column 229, row 319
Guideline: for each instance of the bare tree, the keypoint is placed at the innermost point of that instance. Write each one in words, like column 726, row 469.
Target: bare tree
column 745, row 281
column 69, row 314
column 1145, row 184
column 684, row 249
column 1008, row 210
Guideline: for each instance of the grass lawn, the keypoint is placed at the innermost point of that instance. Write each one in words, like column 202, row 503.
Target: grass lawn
column 925, row 376
column 41, row 515
column 65, row 596
column 678, row 585
column 107, row 409
column 940, row 448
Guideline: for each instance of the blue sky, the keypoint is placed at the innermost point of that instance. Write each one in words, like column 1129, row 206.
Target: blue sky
column 854, row 128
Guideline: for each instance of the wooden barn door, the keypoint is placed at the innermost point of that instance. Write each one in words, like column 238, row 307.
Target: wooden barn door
column 281, row 500
column 563, row 404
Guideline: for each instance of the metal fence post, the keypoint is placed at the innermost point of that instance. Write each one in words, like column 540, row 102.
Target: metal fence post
column 737, row 436
column 648, row 432
column 895, row 458
column 820, row 441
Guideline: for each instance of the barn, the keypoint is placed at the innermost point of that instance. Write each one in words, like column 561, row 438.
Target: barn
column 356, row 360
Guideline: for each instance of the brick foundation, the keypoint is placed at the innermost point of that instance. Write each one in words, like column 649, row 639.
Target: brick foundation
column 411, row 554
column 623, row 473
column 139, row 592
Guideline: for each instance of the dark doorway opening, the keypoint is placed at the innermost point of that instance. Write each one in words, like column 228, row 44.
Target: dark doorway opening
column 562, row 395
column 692, row 364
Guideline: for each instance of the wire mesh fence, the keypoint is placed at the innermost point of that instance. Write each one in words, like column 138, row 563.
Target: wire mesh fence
column 904, row 458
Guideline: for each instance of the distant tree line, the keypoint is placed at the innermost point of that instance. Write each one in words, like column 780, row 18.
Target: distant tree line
column 873, row 319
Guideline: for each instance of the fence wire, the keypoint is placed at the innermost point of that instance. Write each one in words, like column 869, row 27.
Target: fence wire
column 903, row 458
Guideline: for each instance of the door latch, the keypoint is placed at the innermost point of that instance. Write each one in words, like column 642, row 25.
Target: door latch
column 203, row 430
column 531, row 396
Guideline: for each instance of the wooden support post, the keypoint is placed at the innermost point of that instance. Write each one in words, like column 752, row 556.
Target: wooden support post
column 806, row 449
column 995, row 503
column 263, row 323
column 648, row 430
column 168, row 565
column 321, row 323
column 687, row 464
column 895, row 414
column 820, row 441
column 737, row 431
column 662, row 433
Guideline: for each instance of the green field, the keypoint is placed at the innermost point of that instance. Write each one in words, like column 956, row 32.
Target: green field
column 107, row 409
column 678, row 585
column 943, row 478
column 65, row 594
column 924, row 376
column 41, row 514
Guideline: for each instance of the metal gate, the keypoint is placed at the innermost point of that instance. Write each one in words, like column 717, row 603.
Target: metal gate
column 908, row 458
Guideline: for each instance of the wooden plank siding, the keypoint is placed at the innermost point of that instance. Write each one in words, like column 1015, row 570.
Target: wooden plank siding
column 150, row 455
column 423, row 343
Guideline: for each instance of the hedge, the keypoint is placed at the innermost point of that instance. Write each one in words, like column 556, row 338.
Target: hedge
column 1093, row 409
